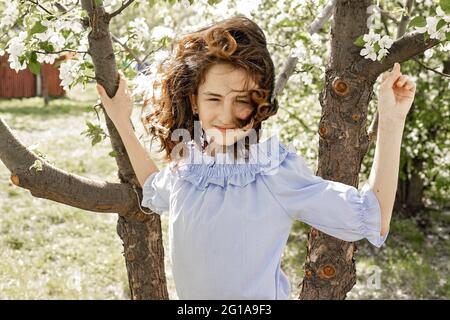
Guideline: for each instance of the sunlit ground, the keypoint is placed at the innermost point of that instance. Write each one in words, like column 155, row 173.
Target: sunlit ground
column 53, row 251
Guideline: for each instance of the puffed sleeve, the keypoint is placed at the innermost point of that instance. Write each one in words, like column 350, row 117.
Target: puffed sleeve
column 156, row 191
column 335, row 208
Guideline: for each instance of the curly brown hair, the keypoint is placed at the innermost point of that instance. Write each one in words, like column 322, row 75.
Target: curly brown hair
column 237, row 41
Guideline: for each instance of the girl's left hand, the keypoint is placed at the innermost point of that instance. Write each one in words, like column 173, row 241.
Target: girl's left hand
column 395, row 95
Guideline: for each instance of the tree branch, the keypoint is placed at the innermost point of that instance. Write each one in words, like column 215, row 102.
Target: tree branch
column 123, row 7
column 323, row 17
column 55, row 184
column 40, row 6
column 405, row 18
column 402, row 49
column 127, row 49
column 289, row 67
column 431, row 69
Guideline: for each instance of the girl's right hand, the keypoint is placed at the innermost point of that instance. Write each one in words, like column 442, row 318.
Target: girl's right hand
column 120, row 106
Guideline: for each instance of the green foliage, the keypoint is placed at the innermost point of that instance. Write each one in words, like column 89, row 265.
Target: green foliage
column 37, row 28
column 445, row 5
column 95, row 132
column 359, row 41
column 417, row 22
column 33, row 64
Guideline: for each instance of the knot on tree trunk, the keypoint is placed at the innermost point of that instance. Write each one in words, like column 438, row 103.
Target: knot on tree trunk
column 340, row 87
column 327, row 272
column 15, row 179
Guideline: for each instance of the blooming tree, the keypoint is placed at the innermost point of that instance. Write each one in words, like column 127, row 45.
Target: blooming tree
column 102, row 36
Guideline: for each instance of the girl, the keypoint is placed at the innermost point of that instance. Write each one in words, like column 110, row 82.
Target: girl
column 232, row 198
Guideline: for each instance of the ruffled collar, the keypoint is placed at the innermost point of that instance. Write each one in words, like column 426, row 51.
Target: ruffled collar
column 223, row 169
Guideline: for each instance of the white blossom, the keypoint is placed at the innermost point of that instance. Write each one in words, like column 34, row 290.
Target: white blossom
column 299, row 51
column 441, row 14
column 315, row 39
column 68, row 71
column 159, row 32
column 371, row 37
column 141, row 85
column 382, row 53
column 185, row 4
column 431, row 25
column 46, row 58
column 140, row 28
column 16, row 47
column 246, row 7
column 9, row 16
column 385, row 42
column 368, row 52
column 52, row 34
column 110, row 3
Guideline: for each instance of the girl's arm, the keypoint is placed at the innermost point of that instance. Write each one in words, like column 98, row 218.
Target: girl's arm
column 119, row 110
column 396, row 95
column 142, row 164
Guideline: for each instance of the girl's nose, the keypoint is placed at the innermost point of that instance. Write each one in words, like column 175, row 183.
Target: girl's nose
column 226, row 116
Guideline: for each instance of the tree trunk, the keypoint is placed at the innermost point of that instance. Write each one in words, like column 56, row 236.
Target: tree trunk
column 141, row 235
column 330, row 269
column 343, row 138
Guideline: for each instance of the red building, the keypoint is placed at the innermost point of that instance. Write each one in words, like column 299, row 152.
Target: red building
column 25, row 84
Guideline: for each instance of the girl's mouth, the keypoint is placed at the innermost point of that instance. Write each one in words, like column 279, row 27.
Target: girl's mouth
column 224, row 129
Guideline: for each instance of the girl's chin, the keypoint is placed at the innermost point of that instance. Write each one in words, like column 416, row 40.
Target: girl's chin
column 223, row 139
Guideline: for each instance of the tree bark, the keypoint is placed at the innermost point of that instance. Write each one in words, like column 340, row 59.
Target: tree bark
column 141, row 235
column 343, row 140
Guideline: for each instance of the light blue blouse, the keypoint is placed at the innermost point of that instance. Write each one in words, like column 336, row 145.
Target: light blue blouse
column 229, row 221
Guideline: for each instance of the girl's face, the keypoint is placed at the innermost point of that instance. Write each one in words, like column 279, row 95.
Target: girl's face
column 221, row 96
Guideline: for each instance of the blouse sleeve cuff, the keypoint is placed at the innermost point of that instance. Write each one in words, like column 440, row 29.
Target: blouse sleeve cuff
column 371, row 217
column 151, row 199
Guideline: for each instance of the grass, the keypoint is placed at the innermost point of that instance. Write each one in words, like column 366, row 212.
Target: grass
column 413, row 263
column 50, row 250
column 54, row 251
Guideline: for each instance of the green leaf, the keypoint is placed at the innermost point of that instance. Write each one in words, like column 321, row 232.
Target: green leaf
column 360, row 41
column 113, row 154
column 96, row 140
column 98, row 2
column 95, row 132
column 33, row 56
column 445, row 5
column 447, row 36
column 440, row 24
column 33, row 64
column 90, row 125
column 213, row 2
column 48, row 47
column 377, row 47
column 35, row 67
column 417, row 22
column 37, row 28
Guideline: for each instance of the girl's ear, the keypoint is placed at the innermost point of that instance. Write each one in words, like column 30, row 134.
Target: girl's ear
column 193, row 100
